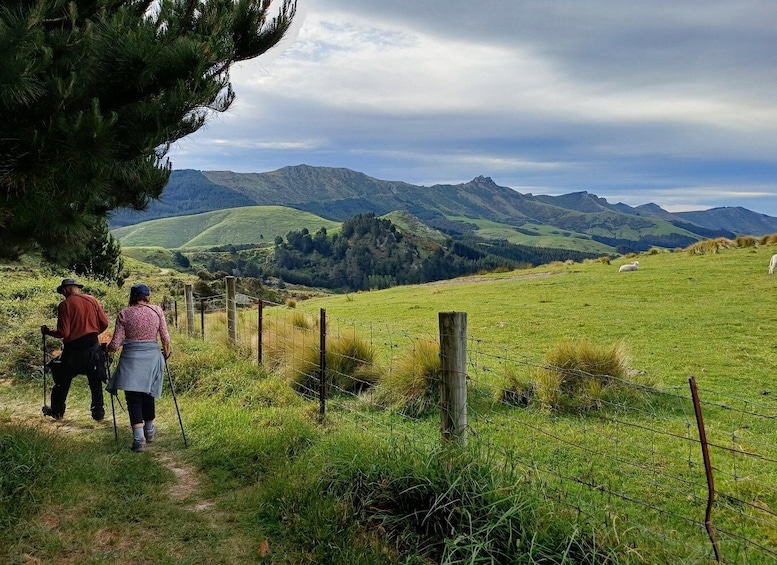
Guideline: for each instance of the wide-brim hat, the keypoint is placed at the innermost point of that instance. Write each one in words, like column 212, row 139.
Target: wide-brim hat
column 68, row 282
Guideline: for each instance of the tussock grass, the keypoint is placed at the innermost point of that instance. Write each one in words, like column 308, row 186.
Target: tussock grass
column 710, row 246
column 518, row 388
column 770, row 239
column 195, row 360
column 746, row 241
column 413, row 386
column 350, row 366
column 578, row 373
column 302, row 321
column 439, row 506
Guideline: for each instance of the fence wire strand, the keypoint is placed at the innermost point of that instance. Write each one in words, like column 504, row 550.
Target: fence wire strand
column 630, row 460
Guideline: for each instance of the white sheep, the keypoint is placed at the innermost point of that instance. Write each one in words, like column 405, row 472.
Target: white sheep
column 629, row 267
column 773, row 264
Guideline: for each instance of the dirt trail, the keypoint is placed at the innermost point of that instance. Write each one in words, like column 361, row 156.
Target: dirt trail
column 24, row 411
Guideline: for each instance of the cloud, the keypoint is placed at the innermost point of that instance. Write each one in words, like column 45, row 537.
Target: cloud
column 644, row 101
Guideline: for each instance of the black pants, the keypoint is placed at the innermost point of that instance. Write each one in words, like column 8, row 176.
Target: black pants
column 140, row 406
column 80, row 357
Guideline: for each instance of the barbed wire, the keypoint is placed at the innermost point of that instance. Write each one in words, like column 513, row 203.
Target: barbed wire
column 633, row 451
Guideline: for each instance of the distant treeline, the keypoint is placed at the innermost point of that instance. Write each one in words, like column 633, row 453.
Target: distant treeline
column 372, row 253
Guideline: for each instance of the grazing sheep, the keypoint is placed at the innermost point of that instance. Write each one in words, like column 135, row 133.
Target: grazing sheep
column 773, row 264
column 632, row 267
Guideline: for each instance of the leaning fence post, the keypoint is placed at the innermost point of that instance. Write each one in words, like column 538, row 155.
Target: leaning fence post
column 707, row 467
column 453, row 366
column 231, row 309
column 189, row 301
column 322, row 365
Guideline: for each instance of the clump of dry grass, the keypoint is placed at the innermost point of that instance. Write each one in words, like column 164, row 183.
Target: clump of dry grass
column 578, row 373
column 413, row 387
column 746, row 241
column 518, row 388
column 770, row 239
column 350, row 366
column 710, row 246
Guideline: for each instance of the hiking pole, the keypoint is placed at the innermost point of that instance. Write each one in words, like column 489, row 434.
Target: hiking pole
column 175, row 401
column 44, row 368
column 113, row 407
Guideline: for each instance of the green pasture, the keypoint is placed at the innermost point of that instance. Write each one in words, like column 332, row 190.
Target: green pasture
column 351, row 488
column 235, row 226
column 678, row 315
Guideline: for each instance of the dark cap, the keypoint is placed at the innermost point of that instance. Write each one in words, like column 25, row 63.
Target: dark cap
column 139, row 291
column 68, row 282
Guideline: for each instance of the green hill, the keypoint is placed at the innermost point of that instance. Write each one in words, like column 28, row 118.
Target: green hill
column 250, row 225
column 578, row 221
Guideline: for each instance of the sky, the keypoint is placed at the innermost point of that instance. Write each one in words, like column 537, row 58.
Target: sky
column 665, row 102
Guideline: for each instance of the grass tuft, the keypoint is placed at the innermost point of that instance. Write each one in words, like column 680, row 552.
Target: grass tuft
column 413, row 387
column 578, row 373
column 350, row 366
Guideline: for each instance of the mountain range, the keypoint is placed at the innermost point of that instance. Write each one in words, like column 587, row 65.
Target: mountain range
column 480, row 207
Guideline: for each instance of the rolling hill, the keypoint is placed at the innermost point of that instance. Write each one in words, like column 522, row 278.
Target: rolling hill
column 577, row 221
column 248, row 225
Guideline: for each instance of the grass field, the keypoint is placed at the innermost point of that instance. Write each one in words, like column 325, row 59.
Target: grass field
column 234, row 226
column 680, row 314
column 622, row 484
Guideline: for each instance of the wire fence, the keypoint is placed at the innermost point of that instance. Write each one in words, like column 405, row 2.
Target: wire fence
column 693, row 479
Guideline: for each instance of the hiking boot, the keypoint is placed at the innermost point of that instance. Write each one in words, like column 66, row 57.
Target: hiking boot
column 138, row 445
column 149, row 433
column 98, row 413
column 48, row 411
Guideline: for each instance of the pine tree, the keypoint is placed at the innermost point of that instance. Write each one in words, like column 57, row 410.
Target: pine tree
column 94, row 92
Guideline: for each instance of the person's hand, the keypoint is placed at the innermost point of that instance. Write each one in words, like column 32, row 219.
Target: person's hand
column 44, row 329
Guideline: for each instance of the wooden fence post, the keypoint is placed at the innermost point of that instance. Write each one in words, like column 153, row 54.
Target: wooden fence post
column 259, row 331
column 202, row 318
column 453, row 388
column 231, row 309
column 189, row 301
column 322, row 365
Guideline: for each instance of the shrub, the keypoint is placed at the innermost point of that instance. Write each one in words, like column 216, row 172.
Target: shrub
column 413, row 387
column 578, row 373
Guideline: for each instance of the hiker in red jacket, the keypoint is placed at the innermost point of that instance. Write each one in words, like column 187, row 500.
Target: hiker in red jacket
column 80, row 319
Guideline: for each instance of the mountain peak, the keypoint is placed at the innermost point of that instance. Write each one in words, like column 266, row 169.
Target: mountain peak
column 484, row 181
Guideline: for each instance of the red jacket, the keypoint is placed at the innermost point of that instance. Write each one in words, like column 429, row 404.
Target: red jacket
column 78, row 315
